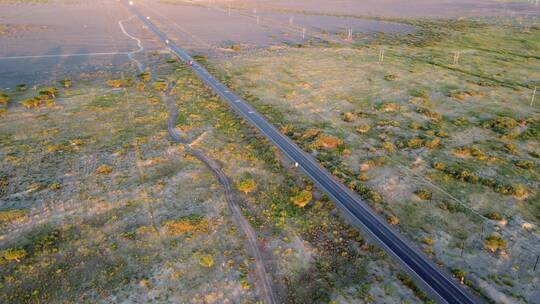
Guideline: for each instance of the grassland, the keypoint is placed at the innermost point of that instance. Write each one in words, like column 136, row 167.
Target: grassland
column 446, row 149
column 97, row 204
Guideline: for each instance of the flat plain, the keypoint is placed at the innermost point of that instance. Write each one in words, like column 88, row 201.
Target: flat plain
column 428, row 114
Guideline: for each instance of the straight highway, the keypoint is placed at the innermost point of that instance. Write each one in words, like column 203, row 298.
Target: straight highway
column 434, row 280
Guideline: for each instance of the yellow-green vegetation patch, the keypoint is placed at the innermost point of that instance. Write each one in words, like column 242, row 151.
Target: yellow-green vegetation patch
column 458, row 134
column 4, row 98
column 11, row 215
column 192, row 224
column 120, row 83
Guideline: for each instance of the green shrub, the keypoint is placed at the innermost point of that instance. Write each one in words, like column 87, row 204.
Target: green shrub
column 494, row 243
column 390, row 77
column 120, row 83
column 525, row 164
column 160, row 85
column 419, row 93
column 4, row 98
column 247, row 185
column 48, row 93
column 302, row 198
column 347, row 116
column 37, row 102
column 502, row 125
column 11, row 215
column 66, row 83
column 495, row 216
column 145, row 76
column 459, row 273
column 532, row 131
column 12, row 254
column 429, row 113
column 423, row 194
column 363, row 129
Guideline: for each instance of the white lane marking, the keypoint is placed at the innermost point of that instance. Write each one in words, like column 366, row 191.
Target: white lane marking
column 238, row 100
column 139, row 44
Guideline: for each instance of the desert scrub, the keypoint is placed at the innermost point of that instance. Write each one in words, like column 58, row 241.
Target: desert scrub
column 206, row 260
column 423, row 194
column 4, row 98
column 393, row 220
column 12, row 254
column 472, row 151
column 363, row 129
column 494, row 216
column 524, row 164
column 389, row 107
column 459, row 172
column 145, row 76
column 21, row 87
column 160, row 85
column 390, row 77
column 502, row 125
column 66, row 83
column 49, row 92
column 302, row 198
column 120, row 83
column 236, row 47
column 104, row 169
column 325, row 141
column 418, row 142
column 407, row 281
column 459, row 273
column 435, row 116
column 462, row 94
column 192, row 223
column 511, row 148
column 494, row 243
column 247, row 185
column 37, row 102
column 389, row 147
column 348, row 116
column 420, row 93
column 11, row 215
column 532, row 131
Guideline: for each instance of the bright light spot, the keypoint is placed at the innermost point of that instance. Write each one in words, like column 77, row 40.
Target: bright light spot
column 130, row 2
column 147, row 18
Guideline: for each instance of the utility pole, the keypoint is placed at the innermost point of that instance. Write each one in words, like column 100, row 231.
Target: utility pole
column 533, row 96
column 456, row 57
column 349, row 34
column 303, row 33
column 381, row 55
column 536, row 263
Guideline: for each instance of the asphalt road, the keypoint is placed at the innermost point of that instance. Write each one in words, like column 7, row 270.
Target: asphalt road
column 434, row 280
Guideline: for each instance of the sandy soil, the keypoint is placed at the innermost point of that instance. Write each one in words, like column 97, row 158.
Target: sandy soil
column 399, row 8
column 88, row 29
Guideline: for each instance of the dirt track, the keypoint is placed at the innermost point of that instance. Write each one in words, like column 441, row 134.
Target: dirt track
column 264, row 281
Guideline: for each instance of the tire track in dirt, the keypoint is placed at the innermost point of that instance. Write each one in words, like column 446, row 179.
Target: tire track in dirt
column 263, row 278
column 139, row 44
